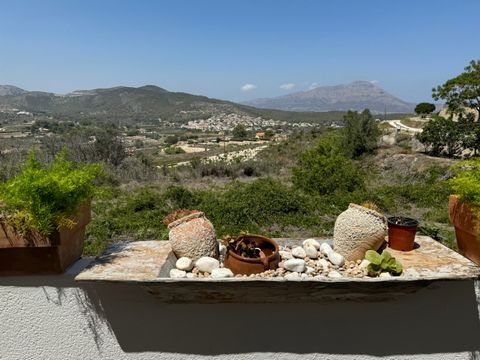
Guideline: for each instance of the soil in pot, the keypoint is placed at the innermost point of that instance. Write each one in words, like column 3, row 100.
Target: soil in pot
column 266, row 256
column 401, row 233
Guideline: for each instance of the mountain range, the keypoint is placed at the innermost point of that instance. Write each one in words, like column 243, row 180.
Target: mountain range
column 357, row 95
column 145, row 103
column 150, row 103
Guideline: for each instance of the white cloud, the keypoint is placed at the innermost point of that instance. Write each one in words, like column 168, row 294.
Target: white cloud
column 248, row 87
column 287, row 86
column 313, row 85
column 374, row 81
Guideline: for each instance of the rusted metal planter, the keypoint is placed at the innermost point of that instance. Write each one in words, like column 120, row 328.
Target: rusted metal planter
column 466, row 231
column 37, row 254
column 246, row 266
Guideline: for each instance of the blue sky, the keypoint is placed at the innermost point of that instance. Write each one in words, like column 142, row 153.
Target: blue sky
column 215, row 48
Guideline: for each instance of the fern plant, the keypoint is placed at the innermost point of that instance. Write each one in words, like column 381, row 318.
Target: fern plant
column 466, row 182
column 43, row 197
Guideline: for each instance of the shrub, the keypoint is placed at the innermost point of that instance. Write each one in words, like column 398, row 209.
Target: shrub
column 324, row 170
column 360, row 133
column 43, row 196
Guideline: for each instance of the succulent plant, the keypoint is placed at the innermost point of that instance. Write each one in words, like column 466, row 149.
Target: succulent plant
column 382, row 263
column 371, row 205
column 242, row 246
column 178, row 214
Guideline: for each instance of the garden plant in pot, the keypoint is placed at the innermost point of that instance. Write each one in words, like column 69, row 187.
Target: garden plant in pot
column 251, row 254
column 464, row 207
column 401, row 233
column 43, row 214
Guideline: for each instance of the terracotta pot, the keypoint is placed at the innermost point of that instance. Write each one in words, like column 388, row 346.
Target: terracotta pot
column 357, row 230
column 401, row 236
column 193, row 236
column 246, row 266
column 38, row 254
column 466, row 232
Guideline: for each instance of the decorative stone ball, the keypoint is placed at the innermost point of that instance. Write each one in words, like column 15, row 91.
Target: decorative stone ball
column 357, row 230
column 193, row 236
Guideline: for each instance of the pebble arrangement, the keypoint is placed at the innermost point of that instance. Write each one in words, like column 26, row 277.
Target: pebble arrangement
column 312, row 260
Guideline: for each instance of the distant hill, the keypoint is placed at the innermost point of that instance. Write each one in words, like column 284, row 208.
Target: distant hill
column 357, row 95
column 9, row 90
column 146, row 103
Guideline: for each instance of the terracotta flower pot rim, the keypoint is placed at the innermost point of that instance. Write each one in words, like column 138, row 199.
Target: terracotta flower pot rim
column 194, row 215
column 368, row 211
column 257, row 260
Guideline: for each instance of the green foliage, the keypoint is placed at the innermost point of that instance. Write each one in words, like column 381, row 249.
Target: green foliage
column 43, row 196
column 466, row 183
column 461, row 91
column 240, row 132
column 382, row 263
column 360, row 133
column 171, row 140
column 441, row 135
column 424, row 108
column 174, row 150
column 325, row 170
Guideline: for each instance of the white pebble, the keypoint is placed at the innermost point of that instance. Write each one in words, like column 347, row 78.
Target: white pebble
column 292, row 276
column 310, row 251
column 334, row 274
column 222, row 249
column 191, row 275
column 207, row 264
column 298, row 252
column 336, row 258
column 324, row 264
column 364, row 264
column 285, row 255
column 309, row 270
column 221, row 273
column 295, row 265
column 184, row 263
column 325, row 249
column 177, row 274
column 312, row 242
column 385, row 275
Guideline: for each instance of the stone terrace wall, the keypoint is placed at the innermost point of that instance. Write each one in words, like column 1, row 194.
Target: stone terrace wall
column 51, row 317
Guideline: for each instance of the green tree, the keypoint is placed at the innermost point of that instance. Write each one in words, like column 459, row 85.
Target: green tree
column 424, row 109
column 461, row 91
column 442, row 135
column 360, row 132
column 240, row 132
column 325, row 169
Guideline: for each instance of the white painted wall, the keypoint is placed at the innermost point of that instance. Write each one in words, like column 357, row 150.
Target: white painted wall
column 52, row 318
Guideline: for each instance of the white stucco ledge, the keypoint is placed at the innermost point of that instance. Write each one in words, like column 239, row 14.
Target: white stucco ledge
column 147, row 264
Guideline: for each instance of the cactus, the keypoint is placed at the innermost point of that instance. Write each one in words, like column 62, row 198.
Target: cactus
column 382, row 263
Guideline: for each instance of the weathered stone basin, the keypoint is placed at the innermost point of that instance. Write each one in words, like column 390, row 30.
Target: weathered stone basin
column 147, row 264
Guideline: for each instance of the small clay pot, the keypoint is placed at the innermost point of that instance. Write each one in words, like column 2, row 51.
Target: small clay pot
column 193, row 236
column 401, row 233
column 246, row 266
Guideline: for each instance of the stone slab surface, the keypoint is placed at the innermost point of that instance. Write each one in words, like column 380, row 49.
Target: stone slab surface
column 147, row 263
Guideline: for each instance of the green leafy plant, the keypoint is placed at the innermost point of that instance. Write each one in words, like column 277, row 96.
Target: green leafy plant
column 382, row 263
column 466, row 182
column 43, row 197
